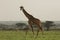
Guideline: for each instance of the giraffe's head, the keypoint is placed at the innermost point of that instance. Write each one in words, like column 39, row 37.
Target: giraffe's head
column 21, row 7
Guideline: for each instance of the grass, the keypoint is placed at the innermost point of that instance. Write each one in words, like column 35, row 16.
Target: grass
column 20, row 35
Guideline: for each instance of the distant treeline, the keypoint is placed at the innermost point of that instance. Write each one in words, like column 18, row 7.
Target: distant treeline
column 47, row 25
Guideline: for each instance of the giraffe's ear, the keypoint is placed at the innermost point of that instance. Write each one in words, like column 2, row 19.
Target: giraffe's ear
column 21, row 7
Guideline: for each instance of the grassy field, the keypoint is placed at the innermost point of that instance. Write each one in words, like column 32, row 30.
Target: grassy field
column 20, row 35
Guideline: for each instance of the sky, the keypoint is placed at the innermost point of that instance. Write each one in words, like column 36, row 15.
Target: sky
column 41, row 9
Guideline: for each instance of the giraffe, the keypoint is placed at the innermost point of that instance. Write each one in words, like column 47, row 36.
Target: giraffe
column 32, row 20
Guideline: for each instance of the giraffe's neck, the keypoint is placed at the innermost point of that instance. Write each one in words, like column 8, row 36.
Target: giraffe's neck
column 27, row 15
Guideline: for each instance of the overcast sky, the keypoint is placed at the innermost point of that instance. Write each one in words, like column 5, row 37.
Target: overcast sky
column 41, row 9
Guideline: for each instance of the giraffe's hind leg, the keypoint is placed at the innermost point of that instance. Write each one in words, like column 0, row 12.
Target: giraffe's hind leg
column 39, row 28
column 37, row 32
column 38, row 23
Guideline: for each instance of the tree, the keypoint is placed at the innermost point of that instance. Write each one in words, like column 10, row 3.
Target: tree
column 48, row 24
column 22, row 26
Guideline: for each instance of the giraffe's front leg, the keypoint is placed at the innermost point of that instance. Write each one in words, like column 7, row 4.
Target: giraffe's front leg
column 30, row 24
